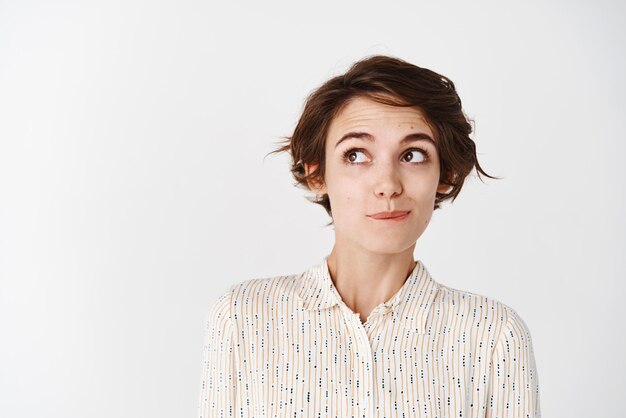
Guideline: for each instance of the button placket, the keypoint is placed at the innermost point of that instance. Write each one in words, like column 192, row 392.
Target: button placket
column 366, row 391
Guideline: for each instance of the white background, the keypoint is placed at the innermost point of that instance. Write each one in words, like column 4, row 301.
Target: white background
column 134, row 186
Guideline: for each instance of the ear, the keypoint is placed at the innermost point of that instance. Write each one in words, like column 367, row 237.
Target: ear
column 315, row 187
column 443, row 188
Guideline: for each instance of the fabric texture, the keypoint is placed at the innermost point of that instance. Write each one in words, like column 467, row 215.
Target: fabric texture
column 288, row 346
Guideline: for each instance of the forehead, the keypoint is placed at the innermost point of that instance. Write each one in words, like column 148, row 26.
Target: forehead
column 364, row 112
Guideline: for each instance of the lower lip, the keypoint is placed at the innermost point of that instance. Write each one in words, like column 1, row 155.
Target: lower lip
column 395, row 219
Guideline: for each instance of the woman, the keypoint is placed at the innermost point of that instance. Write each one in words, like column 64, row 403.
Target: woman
column 367, row 332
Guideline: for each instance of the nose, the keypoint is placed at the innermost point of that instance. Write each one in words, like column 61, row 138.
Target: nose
column 388, row 182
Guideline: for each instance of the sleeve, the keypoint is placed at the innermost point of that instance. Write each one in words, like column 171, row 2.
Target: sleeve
column 217, row 388
column 514, row 387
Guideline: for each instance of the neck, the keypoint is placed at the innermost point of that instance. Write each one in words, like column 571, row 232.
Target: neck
column 364, row 280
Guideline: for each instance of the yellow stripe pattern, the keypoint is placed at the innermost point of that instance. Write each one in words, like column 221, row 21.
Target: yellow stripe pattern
column 288, row 346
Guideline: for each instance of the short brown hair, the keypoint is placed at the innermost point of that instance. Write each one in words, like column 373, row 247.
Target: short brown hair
column 391, row 81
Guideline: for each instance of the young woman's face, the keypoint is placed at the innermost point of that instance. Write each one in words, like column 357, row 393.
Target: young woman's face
column 380, row 158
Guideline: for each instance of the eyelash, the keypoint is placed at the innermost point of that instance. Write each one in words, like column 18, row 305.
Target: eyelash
column 351, row 150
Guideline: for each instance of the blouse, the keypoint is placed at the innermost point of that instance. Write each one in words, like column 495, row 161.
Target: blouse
column 288, row 346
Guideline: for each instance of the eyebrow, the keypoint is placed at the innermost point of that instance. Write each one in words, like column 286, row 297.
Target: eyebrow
column 418, row 136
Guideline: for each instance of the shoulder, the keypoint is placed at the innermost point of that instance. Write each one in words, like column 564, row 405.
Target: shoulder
column 255, row 294
column 464, row 301
column 268, row 289
column 482, row 310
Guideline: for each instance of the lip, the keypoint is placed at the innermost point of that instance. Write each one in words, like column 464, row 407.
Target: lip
column 397, row 215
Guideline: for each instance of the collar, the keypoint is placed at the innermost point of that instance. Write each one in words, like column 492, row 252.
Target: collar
column 410, row 304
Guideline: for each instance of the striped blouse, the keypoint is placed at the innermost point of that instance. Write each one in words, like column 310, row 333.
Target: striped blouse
column 288, row 346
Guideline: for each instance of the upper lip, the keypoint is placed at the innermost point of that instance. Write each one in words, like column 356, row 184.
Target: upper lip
column 392, row 214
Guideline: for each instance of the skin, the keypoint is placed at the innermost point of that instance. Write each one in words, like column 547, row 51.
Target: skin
column 371, row 259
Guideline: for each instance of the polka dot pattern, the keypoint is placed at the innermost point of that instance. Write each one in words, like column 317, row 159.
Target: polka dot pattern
column 288, row 346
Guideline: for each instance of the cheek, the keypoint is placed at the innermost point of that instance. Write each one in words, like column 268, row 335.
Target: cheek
column 423, row 196
column 426, row 187
column 342, row 194
column 346, row 198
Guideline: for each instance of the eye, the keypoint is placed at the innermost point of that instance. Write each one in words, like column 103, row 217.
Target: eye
column 347, row 156
column 419, row 150
column 350, row 160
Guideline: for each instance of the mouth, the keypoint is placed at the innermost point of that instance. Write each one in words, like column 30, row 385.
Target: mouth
column 390, row 216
